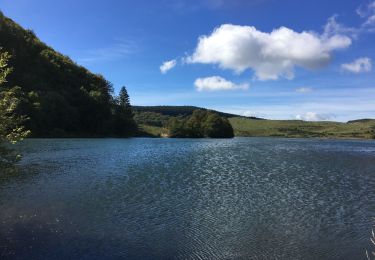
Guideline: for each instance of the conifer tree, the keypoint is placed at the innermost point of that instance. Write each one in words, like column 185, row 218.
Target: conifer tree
column 124, row 117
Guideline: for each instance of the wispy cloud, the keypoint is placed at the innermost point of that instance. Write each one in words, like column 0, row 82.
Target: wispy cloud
column 333, row 27
column 358, row 66
column 167, row 65
column 304, row 89
column 115, row 51
column 367, row 12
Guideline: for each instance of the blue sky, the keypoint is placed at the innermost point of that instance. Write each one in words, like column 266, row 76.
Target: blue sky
column 289, row 59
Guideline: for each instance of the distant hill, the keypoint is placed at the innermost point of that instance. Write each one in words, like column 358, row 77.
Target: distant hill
column 154, row 119
column 365, row 120
column 182, row 111
column 60, row 97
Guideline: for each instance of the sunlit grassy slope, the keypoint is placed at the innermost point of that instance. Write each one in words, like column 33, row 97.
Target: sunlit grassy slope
column 297, row 128
column 153, row 120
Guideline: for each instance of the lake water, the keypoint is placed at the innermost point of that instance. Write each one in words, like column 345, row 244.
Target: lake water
column 242, row 198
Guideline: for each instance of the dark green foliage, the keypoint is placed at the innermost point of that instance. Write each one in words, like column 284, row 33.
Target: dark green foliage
column 60, row 97
column 159, row 116
column 181, row 111
column 217, row 127
column 11, row 129
column 151, row 118
column 124, row 124
column 200, row 124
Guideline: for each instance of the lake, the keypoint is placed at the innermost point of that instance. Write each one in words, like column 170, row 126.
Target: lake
column 241, row 198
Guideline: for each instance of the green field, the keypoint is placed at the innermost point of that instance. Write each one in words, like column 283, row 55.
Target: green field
column 152, row 122
column 297, row 128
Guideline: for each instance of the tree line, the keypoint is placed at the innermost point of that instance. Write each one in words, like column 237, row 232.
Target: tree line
column 59, row 97
column 202, row 123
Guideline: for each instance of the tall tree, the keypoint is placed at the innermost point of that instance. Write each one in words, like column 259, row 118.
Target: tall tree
column 124, row 100
column 124, row 118
column 11, row 128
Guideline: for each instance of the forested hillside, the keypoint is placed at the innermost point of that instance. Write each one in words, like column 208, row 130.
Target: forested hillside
column 60, row 97
column 180, row 111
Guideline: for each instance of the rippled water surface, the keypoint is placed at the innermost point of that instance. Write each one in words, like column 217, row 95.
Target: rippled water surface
column 242, row 198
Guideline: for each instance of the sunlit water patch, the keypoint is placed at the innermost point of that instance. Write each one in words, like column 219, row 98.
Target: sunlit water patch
column 242, row 198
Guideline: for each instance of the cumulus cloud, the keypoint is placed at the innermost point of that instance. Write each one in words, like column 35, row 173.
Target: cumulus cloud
column 271, row 55
column 215, row 83
column 358, row 66
column 312, row 116
column 167, row 65
column 304, row 90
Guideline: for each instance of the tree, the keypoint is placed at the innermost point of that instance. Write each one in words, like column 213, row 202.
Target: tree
column 217, row 127
column 201, row 124
column 11, row 128
column 124, row 118
column 177, row 128
column 124, row 100
column 61, row 98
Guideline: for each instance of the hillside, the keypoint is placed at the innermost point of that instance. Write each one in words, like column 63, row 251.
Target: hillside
column 297, row 128
column 181, row 111
column 60, row 97
column 159, row 115
column 153, row 120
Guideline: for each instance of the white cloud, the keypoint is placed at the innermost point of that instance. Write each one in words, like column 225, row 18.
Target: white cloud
column 358, row 66
column 217, row 83
column 312, row 116
column 248, row 113
column 270, row 55
column 304, row 90
column 167, row 65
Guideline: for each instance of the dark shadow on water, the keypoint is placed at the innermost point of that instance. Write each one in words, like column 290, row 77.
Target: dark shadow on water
column 40, row 240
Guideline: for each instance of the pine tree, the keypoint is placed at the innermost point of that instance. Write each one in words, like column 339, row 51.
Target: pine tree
column 124, row 117
column 124, row 100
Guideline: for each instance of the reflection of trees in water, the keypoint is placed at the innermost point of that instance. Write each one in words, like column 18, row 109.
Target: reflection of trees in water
column 18, row 173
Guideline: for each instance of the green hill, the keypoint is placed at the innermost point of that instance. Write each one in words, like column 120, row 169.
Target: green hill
column 60, row 97
column 180, row 111
column 297, row 128
column 154, row 121
column 158, row 116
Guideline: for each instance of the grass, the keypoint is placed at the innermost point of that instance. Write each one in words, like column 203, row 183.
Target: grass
column 297, row 128
column 152, row 122
column 152, row 131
